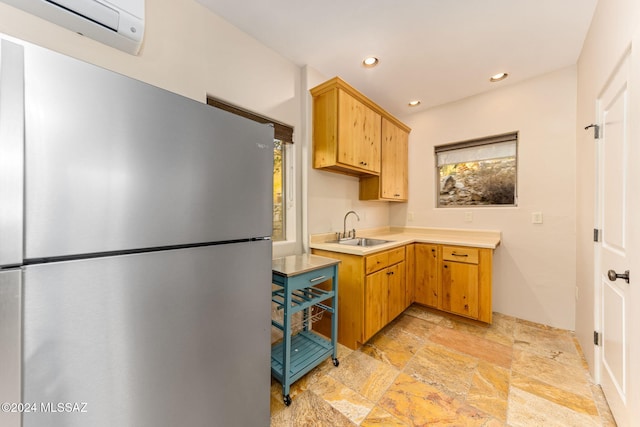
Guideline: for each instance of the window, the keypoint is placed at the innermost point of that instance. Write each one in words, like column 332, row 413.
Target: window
column 480, row 172
column 283, row 136
column 279, row 193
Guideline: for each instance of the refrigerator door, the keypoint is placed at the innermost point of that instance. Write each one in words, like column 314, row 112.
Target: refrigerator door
column 11, row 153
column 10, row 355
column 116, row 164
column 171, row 338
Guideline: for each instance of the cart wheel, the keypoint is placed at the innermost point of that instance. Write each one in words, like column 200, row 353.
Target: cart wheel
column 336, row 362
column 287, row 400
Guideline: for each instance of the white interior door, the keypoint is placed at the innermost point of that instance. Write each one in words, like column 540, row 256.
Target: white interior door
column 614, row 254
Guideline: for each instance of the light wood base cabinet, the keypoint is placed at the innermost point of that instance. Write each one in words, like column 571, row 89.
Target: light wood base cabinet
column 456, row 279
column 376, row 288
column 427, row 277
column 372, row 293
column 410, row 260
column 385, row 289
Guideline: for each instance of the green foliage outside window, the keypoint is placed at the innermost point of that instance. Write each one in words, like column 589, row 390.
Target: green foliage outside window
column 278, row 192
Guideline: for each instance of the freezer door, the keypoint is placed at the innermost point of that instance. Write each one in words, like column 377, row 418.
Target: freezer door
column 173, row 338
column 11, row 153
column 115, row 164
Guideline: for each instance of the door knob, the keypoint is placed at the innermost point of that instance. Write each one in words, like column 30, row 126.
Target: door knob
column 613, row 275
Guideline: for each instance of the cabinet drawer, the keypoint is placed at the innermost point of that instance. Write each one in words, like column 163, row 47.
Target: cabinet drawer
column 384, row 259
column 396, row 255
column 305, row 280
column 376, row 262
column 460, row 254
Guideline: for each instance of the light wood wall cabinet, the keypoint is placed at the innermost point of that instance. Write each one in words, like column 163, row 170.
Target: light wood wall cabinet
column 456, row 279
column 354, row 136
column 393, row 182
column 372, row 293
column 346, row 130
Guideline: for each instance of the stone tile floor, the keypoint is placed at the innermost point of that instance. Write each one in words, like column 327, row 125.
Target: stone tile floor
column 427, row 368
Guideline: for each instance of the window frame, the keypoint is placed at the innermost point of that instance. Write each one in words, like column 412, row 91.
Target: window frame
column 473, row 143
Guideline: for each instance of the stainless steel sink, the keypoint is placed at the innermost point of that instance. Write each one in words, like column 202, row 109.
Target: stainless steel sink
column 361, row 241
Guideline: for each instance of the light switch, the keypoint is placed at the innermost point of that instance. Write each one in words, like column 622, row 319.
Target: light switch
column 536, row 217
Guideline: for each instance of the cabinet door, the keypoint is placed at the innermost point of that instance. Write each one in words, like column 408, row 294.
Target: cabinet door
column 410, row 268
column 394, row 170
column 358, row 134
column 376, row 303
column 427, row 260
column 397, row 290
column 460, row 288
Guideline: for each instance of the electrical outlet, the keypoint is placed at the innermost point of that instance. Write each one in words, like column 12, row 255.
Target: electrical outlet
column 536, row 217
column 468, row 216
column 409, row 216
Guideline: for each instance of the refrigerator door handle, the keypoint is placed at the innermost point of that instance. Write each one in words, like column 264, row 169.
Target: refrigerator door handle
column 12, row 123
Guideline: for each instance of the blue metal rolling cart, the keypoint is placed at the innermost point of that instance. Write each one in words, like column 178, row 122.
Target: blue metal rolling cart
column 297, row 278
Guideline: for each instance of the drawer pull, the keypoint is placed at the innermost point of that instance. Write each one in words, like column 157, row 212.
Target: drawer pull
column 455, row 254
column 318, row 278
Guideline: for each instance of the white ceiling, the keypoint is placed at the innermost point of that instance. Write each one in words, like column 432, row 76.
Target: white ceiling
column 437, row 51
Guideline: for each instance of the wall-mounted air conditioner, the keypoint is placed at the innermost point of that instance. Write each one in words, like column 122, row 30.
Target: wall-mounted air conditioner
column 117, row 23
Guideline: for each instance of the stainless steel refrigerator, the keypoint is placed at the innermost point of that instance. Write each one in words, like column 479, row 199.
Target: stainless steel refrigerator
column 135, row 252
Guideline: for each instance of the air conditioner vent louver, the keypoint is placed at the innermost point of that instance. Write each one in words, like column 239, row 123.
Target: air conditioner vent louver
column 91, row 10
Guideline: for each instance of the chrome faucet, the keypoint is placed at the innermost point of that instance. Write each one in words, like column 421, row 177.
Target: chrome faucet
column 352, row 233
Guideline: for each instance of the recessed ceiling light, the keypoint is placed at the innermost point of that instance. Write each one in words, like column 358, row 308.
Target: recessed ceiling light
column 414, row 103
column 370, row 61
column 498, row 77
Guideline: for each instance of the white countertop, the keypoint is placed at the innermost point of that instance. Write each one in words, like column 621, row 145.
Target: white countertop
column 406, row 235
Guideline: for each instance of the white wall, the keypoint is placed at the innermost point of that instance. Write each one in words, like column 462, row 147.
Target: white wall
column 534, row 267
column 190, row 51
column 614, row 25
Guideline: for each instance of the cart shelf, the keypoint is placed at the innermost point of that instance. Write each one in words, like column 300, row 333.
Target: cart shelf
column 308, row 350
column 297, row 278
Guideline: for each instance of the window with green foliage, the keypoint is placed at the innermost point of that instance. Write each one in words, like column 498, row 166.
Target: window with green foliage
column 283, row 136
column 480, row 172
column 279, row 192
